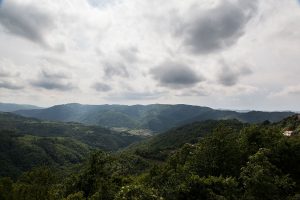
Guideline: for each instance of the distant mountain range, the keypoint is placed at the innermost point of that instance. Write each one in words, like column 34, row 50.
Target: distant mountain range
column 11, row 107
column 156, row 117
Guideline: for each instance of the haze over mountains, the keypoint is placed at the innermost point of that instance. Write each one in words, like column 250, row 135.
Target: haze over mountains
column 155, row 117
column 11, row 107
column 149, row 100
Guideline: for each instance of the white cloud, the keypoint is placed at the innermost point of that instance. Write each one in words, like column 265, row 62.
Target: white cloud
column 114, row 47
column 291, row 91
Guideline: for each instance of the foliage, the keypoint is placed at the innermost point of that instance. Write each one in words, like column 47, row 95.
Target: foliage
column 26, row 143
column 36, row 184
column 262, row 180
column 226, row 160
column 137, row 192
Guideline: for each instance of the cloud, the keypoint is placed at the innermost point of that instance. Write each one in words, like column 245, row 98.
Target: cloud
column 53, row 81
column 229, row 76
column 54, row 75
column 5, row 73
column 55, row 61
column 115, row 69
column 218, row 28
column 101, row 3
column 51, row 85
column 129, row 54
column 101, row 87
column 10, row 85
column 8, row 69
column 24, row 20
column 293, row 90
column 135, row 36
column 9, row 77
column 175, row 75
column 193, row 92
column 135, row 95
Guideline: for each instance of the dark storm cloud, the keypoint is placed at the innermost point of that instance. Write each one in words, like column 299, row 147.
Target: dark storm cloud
column 229, row 77
column 217, row 28
column 101, row 87
column 115, row 69
column 53, row 81
column 10, row 85
column 175, row 75
column 24, row 20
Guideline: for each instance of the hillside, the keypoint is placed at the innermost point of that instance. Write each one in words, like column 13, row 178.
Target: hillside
column 28, row 142
column 291, row 123
column 156, row 117
column 11, row 107
column 223, row 159
column 94, row 136
column 19, row 153
column 160, row 146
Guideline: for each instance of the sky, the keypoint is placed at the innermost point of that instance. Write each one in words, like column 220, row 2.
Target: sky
column 231, row 54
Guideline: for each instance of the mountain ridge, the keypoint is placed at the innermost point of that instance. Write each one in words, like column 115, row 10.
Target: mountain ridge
column 155, row 117
column 12, row 107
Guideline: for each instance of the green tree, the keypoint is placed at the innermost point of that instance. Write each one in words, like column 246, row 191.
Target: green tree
column 6, row 189
column 255, row 137
column 262, row 180
column 96, row 181
column 137, row 192
column 212, row 188
column 217, row 154
column 35, row 185
column 75, row 196
column 286, row 156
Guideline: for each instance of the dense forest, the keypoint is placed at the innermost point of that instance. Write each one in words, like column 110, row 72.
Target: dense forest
column 28, row 142
column 214, row 160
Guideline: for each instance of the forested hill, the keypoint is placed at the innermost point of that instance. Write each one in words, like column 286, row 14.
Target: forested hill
column 160, row 146
column 204, row 160
column 157, row 117
column 28, row 142
column 94, row 136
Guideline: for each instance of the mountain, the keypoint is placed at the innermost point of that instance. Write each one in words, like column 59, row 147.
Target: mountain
column 10, row 107
column 19, row 153
column 156, row 117
column 29, row 142
column 93, row 136
column 224, row 159
column 160, row 146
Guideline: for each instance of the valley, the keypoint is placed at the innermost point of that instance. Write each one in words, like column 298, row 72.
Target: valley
column 156, row 117
column 204, row 158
